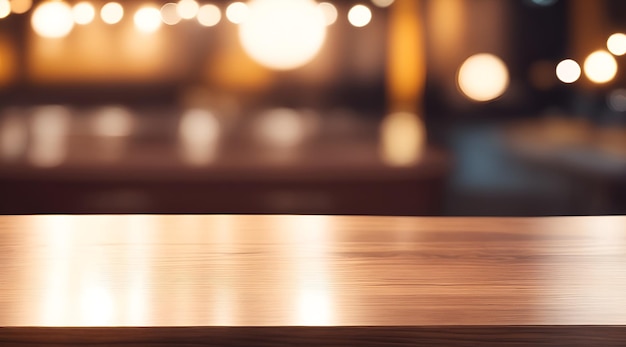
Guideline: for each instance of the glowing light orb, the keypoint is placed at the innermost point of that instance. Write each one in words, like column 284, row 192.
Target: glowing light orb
column 53, row 19
column 187, row 9
column 209, row 15
column 112, row 13
column 330, row 12
column 84, row 13
column 600, row 67
column 169, row 14
column 383, row 3
column 483, row 77
column 568, row 71
column 5, row 8
column 21, row 6
column 237, row 12
column 283, row 34
column 359, row 16
column 147, row 19
column 617, row 44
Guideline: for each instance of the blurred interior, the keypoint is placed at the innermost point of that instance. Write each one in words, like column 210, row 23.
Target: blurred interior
column 405, row 107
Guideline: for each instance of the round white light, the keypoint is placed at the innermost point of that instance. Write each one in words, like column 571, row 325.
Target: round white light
column 83, row 13
column 5, row 8
column 112, row 13
column 483, row 77
column 169, row 14
column 187, row 9
column 383, row 3
column 600, row 67
column 359, row 16
column 568, row 71
column 617, row 44
column 237, row 12
column 147, row 19
column 283, row 34
column 209, row 15
column 330, row 12
column 52, row 19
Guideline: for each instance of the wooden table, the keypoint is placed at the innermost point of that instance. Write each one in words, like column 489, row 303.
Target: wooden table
column 154, row 280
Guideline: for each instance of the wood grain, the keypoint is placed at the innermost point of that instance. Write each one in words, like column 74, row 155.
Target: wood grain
column 461, row 279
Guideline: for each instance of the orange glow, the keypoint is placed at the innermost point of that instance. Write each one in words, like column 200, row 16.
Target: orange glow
column 406, row 67
column 187, row 9
column 209, row 15
column 237, row 12
column 83, row 13
column 21, row 6
column 147, row 19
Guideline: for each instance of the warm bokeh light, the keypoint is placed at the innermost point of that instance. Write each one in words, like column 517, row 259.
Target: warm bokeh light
column 402, row 137
column 83, row 12
column 187, row 9
column 112, row 13
column 169, row 14
column 198, row 132
column 617, row 44
column 13, row 137
column 52, row 19
column 209, row 15
column 483, row 77
column 237, row 12
column 5, row 8
column 147, row 19
column 281, row 128
column 568, row 71
column 283, row 34
column 49, row 128
column 112, row 121
column 382, row 3
column 617, row 100
column 600, row 67
column 21, row 6
column 330, row 12
column 359, row 16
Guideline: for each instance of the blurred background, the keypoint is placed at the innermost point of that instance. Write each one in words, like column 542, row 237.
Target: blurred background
column 405, row 107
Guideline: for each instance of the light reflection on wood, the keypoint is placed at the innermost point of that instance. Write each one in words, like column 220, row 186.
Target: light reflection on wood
column 311, row 270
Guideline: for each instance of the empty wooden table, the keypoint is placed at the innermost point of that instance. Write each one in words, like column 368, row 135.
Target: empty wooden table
column 191, row 280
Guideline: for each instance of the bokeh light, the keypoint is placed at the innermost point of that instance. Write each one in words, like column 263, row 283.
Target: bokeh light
column 5, row 8
column 483, row 77
column 382, row 3
column 187, row 9
column 199, row 133
column 237, row 12
column 21, row 6
column 617, row 100
column 147, row 19
column 283, row 34
column 568, row 71
column 330, row 12
column 49, row 129
column 113, row 121
column 112, row 13
column 280, row 128
column 617, row 44
column 83, row 12
column 359, row 16
column 209, row 15
column 52, row 19
column 403, row 136
column 169, row 14
column 600, row 67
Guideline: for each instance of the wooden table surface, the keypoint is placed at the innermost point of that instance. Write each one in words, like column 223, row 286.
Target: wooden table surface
column 277, row 280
